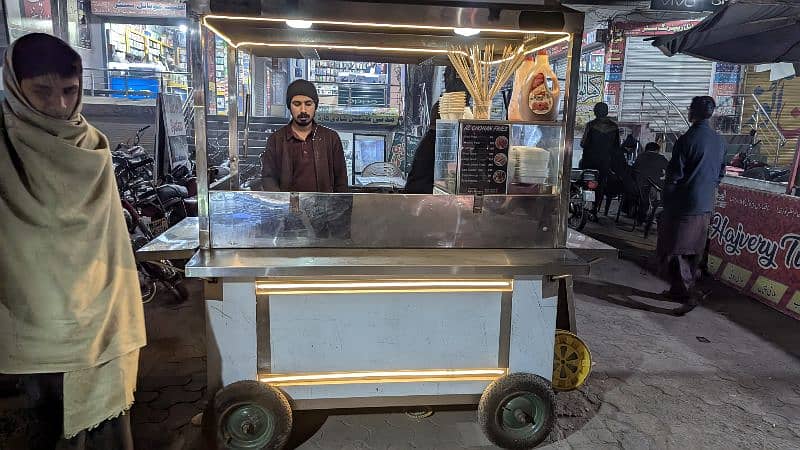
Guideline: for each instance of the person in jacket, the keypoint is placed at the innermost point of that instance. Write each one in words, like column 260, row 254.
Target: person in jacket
column 692, row 177
column 303, row 156
column 650, row 165
column 420, row 178
column 71, row 315
column 600, row 141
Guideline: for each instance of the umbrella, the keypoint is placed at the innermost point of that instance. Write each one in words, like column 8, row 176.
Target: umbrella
column 742, row 32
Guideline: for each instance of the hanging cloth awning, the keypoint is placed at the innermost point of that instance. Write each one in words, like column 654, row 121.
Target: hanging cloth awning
column 742, row 32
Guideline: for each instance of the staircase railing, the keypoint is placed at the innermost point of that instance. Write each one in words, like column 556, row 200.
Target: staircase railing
column 656, row 109
column 760, row 123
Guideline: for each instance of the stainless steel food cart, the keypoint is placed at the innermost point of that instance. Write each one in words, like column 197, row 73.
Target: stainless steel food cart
column 318, row 301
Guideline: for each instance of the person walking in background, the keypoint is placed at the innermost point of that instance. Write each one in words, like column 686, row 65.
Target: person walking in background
column 650, row 165
column 600, row 141
column 420, row 178
column 692, row 177
column 71, row 315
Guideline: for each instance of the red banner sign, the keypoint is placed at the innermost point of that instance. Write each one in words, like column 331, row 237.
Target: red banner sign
column 755, row 245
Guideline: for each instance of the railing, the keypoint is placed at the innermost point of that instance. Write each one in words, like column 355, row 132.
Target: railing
column 757, row 121
column 656, row 109
column 134, row 84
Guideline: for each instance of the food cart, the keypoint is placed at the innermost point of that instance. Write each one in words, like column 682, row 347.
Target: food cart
column 329, row 301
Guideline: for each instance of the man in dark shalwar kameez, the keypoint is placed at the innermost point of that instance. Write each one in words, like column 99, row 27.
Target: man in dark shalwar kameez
column 692, row 177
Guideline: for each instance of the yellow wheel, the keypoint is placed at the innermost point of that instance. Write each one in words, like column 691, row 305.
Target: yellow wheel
column 572, row 362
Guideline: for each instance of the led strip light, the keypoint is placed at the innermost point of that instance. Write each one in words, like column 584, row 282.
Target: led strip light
column 394, row 376
column 288, row 287
column 565, row 37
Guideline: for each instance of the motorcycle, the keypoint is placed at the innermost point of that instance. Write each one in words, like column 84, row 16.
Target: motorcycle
column 757, row 169
column 583, row 184
column 149, row 210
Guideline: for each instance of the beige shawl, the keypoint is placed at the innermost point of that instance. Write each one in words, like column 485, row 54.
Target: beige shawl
column 69, row 293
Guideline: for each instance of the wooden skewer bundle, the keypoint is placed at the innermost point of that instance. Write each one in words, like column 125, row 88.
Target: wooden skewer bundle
column 475, row 69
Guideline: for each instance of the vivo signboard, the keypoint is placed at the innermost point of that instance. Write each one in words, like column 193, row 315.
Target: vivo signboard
column 687, row 5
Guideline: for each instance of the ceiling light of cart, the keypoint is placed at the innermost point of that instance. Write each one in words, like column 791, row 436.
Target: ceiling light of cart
column 339, row 47
column 405, row 374
column 529, row 51
column 467, row 31
column 381, row 25
column 302, row 24
column 360, row 47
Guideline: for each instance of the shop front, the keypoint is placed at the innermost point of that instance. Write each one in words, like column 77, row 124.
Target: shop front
column 755, row 242
column 145, row 49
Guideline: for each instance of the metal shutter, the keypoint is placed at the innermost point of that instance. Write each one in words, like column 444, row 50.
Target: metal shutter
column 259, row 87
column 679, row 77
column 778, row 99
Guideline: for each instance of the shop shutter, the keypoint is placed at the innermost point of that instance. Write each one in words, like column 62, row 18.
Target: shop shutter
column 259, row 87
column 679, row 77
column 781, row 100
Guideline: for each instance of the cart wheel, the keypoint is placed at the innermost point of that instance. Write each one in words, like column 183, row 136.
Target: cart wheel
column 517, row 411
column 572, row 362
column 247, row 415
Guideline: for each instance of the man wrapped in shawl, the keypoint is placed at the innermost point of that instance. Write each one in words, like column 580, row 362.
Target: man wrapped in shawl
column 692, row 177
column 71, row 317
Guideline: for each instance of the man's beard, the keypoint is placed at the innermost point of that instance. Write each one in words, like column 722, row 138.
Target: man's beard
column 304, row 119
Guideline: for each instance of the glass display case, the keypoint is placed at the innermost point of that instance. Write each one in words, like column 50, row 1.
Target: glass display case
column 496, row 157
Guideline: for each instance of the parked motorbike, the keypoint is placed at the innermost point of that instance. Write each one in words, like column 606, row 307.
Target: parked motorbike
column 149, row 210
column 583, row 184
column 757, row 169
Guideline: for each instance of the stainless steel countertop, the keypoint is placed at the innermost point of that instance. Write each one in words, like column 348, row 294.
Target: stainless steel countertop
column 180, row 242
column 589, row 248
column 320, row 262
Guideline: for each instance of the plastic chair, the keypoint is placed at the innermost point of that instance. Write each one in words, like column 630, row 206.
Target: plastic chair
column 381, row 169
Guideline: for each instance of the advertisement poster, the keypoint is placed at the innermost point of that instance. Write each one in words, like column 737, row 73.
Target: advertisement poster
column 174, row 129
column 37, row 9
column 755, row 245
column 590, row 92
column 139, row 8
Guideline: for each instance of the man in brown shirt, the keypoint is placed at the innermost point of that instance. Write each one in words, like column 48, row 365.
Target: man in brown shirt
column 303, row 156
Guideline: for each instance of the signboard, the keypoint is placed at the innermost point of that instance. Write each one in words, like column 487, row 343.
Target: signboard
column 483, row 164
column 139, row 8
column 687, row 5
column 590, row 92
column 755, row 245
column 173, row 128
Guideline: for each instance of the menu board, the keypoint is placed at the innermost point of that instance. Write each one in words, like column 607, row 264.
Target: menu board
column 484, row 158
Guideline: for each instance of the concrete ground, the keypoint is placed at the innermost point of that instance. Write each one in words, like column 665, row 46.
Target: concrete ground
column 726, row 375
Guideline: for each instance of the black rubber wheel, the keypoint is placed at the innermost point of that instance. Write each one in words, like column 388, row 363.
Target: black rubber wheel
column 517, row 411
column 247, row 415
column 577, row 215
column 577, row 218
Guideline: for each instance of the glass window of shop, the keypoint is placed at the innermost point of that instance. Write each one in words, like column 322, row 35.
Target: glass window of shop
column 217, row 63
column 28, row 16
column 144, row 60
